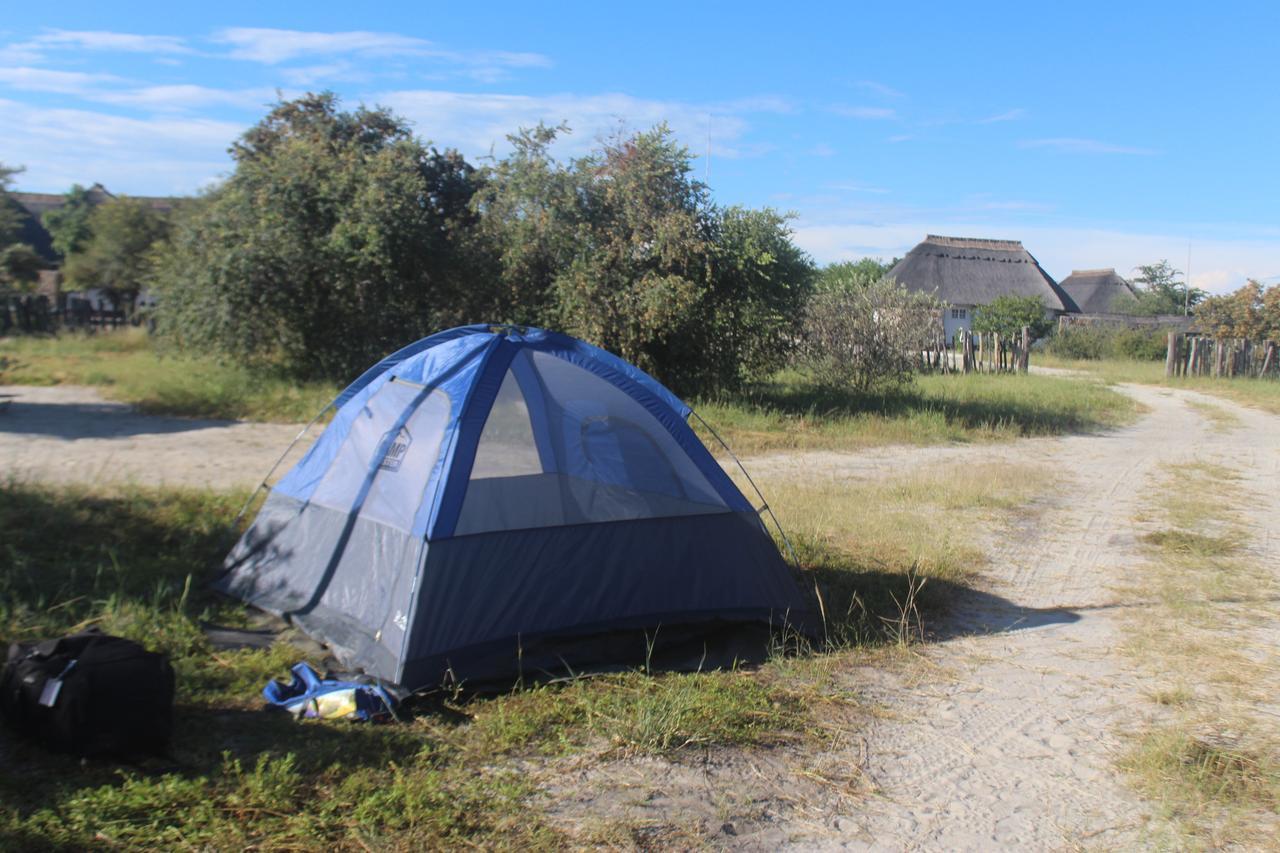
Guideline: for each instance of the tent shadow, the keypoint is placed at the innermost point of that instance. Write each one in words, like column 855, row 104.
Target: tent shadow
column 870, row 607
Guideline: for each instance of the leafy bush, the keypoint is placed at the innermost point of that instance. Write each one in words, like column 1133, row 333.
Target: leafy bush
column 868, row 337
column 341, row 236
column 1007, row 315
column 1099, row 342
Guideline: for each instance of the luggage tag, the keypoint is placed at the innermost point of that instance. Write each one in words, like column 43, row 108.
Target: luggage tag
column 52, row 687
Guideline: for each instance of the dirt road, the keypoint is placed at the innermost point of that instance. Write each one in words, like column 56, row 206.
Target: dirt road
column 1007, row 735
column 69, row 434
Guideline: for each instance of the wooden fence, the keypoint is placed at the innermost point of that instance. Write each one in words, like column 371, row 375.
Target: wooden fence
column 975, row 352
column 1221, row 357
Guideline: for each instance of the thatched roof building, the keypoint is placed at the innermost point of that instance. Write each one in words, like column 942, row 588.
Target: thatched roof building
column 1097, row 291
column 966, row 273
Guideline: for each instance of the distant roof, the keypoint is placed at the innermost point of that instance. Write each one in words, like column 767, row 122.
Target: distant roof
column 968, row 271
column 36, row 205
column 1096, row 291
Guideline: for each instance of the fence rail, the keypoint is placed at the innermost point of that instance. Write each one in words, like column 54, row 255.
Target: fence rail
column 976, row 352
column 1221, row 357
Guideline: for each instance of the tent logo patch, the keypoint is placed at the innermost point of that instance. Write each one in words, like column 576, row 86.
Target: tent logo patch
column 396, row 451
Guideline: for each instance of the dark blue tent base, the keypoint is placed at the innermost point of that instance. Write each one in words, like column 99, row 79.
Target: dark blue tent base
column 711, row 644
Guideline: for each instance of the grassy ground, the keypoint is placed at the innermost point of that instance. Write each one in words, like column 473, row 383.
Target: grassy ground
column 1263, row 394
column 136, row 562
column 791, row 413
column 786, row 413
column 127, row 368
column 1212, row 760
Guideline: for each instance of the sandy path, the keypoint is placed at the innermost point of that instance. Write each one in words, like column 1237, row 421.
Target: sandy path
column 69, row 434
column 1010, row 737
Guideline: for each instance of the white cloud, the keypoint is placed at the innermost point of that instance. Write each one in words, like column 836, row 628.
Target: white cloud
column 1072, row 145
column 277, row 46
column 879, row 89
column 142, row 156
column 858, row 188
column 1218, row 264
column 110, row 89
column 1008, row 115
column 58, row 82
column 475, row 123
column 874, row 113
column 35, row 49
column 188, row 97
column 111, row 41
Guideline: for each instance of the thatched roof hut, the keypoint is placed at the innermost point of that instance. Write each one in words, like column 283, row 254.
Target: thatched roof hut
column 1097, row 291
column 966, row 272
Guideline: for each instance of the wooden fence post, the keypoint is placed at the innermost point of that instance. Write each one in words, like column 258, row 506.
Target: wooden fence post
column 1171, row 356
column 1024, row 358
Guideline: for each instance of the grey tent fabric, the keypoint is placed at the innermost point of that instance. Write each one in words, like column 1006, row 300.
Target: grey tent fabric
column 967, row 271
column 1099, row 291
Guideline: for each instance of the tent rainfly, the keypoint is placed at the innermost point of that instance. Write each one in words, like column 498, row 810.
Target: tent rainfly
column 1097, row 291
column 495, row 501
column 968, row 273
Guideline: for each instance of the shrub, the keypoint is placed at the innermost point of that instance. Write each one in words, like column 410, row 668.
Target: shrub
column 1098, row 342
column 868, row 337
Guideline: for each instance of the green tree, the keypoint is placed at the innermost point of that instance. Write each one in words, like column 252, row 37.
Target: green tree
column 20, row 266
column 333, row 242
column 1006, row 315
column 1160, row 292
column 69, row 224
column 624, row 248
column 10, row 212
column 850, row 274
column 118, row 258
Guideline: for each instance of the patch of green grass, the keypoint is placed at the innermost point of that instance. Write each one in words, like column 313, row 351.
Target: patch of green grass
column 792, row 413
column 126, row 366
column 137, row 562
column 1259, row 393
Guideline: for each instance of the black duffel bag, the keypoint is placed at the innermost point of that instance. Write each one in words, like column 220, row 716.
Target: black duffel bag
column 90, row 694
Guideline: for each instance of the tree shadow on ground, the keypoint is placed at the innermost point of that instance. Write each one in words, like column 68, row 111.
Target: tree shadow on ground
column 106, row 420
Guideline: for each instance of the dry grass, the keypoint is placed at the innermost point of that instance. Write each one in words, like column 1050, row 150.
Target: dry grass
column 1220, row 420
column 1212, row 759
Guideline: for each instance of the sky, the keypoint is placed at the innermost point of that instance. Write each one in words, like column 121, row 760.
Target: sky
column 1099, row 134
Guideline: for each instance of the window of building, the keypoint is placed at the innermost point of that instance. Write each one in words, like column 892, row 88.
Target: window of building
column 957, row 313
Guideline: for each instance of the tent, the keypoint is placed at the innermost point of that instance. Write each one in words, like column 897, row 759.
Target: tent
column 495, row 501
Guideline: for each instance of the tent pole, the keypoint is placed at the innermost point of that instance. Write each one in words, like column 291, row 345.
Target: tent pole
column 320, row 414
column 760, row 495
column 795, row 559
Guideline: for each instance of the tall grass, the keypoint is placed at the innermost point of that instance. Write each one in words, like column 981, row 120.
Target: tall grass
column 792, row 413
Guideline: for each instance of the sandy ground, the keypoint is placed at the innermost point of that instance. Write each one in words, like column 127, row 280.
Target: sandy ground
column 1006, row 734
column 69, row 434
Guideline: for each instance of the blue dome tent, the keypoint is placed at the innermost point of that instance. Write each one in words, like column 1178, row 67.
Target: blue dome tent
column 493, row 501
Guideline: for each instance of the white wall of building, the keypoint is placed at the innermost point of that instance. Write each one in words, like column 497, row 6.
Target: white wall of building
column 956, row 318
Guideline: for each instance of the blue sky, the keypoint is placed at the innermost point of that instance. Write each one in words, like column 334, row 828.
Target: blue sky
column 1107, row 135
